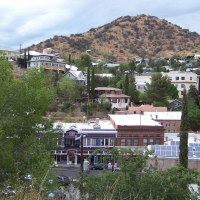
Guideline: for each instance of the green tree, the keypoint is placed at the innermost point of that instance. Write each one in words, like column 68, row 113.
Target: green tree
column 137, row 179
column 25, row 59
column 126, row 84
column 93, row 82
column 68, row 88
column 184, row 128
column 159, row 89
column 22, row 106
column 132, row 66
column 88, row 79
column 193, row 93
column 193, row 115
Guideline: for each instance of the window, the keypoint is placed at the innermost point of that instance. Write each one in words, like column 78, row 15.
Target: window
column 145, row 141
column 177, row 78
column 123, row 142
column 168, row 131
column 134, row 112
column 181, row 92
column 102, row 142
column 182, row 78
column 191, row 78
column 182, row 85
column 157, row 139
column 170, row 78
column 135, row 141
column 129, row 141
column 151, row 141
column 176, row 85
column 167, row 123
column 174, row 123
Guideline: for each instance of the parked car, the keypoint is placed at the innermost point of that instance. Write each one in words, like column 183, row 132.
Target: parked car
column 64, row 180
column 99, row 166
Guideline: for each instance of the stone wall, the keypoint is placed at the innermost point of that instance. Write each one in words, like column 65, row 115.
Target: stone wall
column 165, row 163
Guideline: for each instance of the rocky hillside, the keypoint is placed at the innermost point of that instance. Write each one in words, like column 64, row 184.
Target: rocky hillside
column 125, row 38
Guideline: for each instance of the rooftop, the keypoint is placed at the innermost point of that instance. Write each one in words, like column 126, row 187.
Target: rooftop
column 133, row 120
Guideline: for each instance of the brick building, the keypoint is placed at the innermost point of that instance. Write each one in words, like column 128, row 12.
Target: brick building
column 137, row 130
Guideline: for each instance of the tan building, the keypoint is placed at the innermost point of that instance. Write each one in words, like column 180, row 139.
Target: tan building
column 140, row 109
column 170, row 120
column 9, row 53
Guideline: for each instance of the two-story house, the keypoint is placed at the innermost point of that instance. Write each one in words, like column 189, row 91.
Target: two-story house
column 76, row 75
column 114, row 96
column 48, row 61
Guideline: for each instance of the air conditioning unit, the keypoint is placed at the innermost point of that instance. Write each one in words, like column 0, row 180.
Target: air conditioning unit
column 97, row 120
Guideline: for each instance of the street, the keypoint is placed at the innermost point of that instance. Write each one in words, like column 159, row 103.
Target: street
column 72, row 172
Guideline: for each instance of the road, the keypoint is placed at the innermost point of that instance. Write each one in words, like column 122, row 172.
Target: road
column 72, row 172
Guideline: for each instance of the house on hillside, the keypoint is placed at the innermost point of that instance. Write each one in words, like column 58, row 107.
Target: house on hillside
column 114, row 96
column 10, row 54
column 78, row 76
column 175, row 104
column 51, row 62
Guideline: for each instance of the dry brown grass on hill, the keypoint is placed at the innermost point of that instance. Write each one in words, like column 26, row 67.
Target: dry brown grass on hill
column 127, row 37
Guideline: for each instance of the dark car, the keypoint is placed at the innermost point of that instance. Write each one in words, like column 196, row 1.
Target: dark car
column 64, row 180
column 99, row 166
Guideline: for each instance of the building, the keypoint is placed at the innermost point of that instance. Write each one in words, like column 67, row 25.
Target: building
column 140, row 109
column 50, row 62
column 77, row 76
column 183, row 80
column 137, row 131
column 96, row 135
column 170, row 120
column 10, row 54
column 114, row 96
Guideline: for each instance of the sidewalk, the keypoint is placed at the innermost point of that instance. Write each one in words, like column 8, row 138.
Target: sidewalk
column 68, row 166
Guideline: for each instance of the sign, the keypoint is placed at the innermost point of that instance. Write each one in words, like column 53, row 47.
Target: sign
column 71, row 152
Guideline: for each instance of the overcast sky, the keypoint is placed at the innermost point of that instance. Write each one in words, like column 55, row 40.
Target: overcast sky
column 28, row 22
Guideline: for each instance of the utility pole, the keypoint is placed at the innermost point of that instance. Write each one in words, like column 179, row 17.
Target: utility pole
column 81, row 169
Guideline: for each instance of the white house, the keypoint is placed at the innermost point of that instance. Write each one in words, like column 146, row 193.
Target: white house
column 179, row 78
column 183, row 80
column 197, row 56
column 78, row 76
column 49, row 61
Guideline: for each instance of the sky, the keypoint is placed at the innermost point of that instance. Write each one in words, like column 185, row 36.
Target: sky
column 27, row 22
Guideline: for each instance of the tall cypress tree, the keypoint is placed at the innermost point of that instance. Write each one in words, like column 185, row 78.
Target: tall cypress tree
column 184, row 128
column 29, row 57
column 25, row 58
column 93, row 83
column 126, row 87
column 88, row 79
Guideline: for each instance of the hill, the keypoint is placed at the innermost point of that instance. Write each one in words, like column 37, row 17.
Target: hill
column 126, row 38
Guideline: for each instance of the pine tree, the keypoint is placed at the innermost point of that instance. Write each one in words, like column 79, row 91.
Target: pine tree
column 29, row 57
column 184, row 128
column 88, row 79
column 25, row 58
column 126, row 88
column 93, row 83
